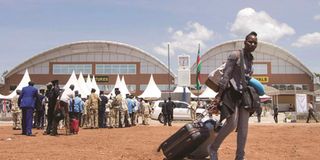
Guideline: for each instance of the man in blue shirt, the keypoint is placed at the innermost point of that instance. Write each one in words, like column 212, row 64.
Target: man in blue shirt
column 27, row 101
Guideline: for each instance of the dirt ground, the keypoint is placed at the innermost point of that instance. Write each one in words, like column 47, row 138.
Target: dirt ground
column 265, row 142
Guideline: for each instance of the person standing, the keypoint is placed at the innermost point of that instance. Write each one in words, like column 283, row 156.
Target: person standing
column 193, row 107
column 27, row 102
column 77, row 107
column 63, row 109
column 169, row 107
column 311, row 111
column 53, row 92
column 230, row 93
column 116, row 104
column 102, row 110
column 16, row 111
column 146, row 111
column 164, row 112
column 93, row 104
column 275, row 113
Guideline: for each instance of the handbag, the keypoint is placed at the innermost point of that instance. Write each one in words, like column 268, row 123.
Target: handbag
column 214, row 77
column 250, row 98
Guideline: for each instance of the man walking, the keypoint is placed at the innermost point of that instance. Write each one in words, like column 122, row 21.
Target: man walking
column 170, row 106
column 310, row 109
column 27, row 101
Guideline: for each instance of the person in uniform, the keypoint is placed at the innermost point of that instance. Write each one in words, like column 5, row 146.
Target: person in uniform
column 193, row 107
column 146, row 111
column 116, row 104
column 93, row 104
column 16, row 111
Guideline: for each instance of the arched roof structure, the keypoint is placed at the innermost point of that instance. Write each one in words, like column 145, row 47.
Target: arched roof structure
column 265, row 52
column 74, row 52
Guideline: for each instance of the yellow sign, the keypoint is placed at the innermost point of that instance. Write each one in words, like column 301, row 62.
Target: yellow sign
column 102, row 79
column 262, row 79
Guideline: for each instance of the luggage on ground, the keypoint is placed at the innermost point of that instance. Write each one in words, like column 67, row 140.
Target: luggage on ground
column 201, row 152
column 74, row 126
column 184, row 141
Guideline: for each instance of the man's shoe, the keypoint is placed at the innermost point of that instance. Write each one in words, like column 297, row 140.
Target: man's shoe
column 213, row 155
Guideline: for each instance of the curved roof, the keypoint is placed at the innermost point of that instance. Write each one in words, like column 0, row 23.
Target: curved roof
column 263, row 47
column 75, row 49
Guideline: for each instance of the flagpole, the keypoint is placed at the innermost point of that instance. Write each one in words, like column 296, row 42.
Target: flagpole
column 198, row 75
column 169, row 69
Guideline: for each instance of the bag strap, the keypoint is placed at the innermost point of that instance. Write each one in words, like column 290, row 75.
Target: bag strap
column 243, row 78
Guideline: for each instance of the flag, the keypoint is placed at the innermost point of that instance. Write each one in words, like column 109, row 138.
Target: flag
column 198, row 84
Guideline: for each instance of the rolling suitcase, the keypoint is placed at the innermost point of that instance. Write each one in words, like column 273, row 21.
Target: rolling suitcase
column 184, row 141
column 74, row 126
column 201, row 152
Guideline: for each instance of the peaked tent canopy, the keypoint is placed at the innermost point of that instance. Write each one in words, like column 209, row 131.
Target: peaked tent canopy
column 208, row 93
column 152, row 91
column 72, row 80
column 88, row 83
column 179, row 89
column 83, row 86
column 123, row 87
column 117, row 85
column 95, row 86
column 23, row 83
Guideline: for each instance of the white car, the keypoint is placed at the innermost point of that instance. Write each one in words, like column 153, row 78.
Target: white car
column 181, row 112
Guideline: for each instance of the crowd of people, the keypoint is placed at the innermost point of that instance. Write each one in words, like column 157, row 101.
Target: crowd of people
column 53, row 108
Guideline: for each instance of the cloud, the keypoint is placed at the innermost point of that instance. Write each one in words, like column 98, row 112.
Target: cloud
column 317, row 17
column 308, row 40
column 186, row 41
column 268, row 28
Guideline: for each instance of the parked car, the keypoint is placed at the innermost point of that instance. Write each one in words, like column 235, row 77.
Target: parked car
column 181, row 112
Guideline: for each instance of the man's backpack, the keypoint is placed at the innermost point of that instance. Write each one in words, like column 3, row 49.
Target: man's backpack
column 214, row 77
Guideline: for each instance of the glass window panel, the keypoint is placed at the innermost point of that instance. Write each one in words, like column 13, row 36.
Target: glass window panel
column 68, row 68
column 260, row 68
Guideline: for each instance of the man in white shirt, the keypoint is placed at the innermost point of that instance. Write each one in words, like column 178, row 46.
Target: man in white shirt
column 67, row 97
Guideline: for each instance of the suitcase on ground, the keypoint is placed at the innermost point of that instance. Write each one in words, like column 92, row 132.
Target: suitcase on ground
column 74, row 126
column 201, row 152
column 184, row 141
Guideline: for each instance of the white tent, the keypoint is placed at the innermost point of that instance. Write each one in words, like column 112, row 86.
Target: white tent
column 72, row 80
column 123, row 87
column 208, row 93
column 117, row 85
column 152, row 91
column 88, row 83
column 83, row 86
column 94, row 85
column 179, row 89
column 23, row 83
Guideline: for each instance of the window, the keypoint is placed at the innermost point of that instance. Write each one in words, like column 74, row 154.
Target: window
column 68, row 68
column 116, row 69
column 260, row 68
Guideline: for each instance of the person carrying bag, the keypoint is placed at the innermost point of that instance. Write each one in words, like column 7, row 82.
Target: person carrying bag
column 233, row 97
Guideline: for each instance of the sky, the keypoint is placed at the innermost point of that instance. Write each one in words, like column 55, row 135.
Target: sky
column 30, row 27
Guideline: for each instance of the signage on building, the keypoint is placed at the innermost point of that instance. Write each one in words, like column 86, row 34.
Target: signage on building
column 262, row 79
column 102, row 78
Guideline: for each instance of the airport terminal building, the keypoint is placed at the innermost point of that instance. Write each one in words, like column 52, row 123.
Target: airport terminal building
column 273, row 66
